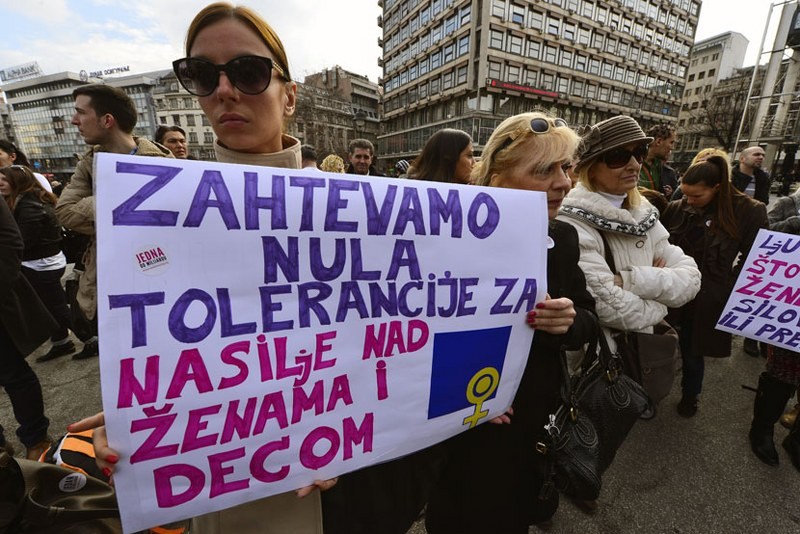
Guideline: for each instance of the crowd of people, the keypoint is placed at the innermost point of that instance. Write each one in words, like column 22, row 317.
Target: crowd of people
column 616, row 262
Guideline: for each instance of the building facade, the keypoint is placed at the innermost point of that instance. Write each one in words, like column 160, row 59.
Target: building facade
column 175, row 106
column 707, row 115
column 42, row 108
column 469, row 64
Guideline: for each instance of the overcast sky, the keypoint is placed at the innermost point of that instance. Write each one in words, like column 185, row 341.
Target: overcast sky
column 91, row 35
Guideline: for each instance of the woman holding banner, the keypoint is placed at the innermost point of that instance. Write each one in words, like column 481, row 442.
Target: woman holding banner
column 714, row 223
column 247, row 107
column 494, row 467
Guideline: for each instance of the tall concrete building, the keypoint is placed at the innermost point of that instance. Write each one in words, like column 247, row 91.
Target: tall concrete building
column 468, row 64
column 703, row 119
column 42, row 108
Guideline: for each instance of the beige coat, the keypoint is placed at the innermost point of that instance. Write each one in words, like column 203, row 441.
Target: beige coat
column 284, row 513
column 75, row 210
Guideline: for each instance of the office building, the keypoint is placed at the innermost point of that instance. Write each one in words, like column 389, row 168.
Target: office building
column 467, row 64
column 705, row 120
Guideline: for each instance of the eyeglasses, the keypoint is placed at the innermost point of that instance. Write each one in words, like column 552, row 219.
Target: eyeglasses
column 539, row 125
column 249, row 74
column 619, row 157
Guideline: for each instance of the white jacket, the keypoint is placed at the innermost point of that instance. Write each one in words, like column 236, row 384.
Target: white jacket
column 636, row 238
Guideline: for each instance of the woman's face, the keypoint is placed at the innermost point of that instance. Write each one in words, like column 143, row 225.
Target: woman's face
column 466, row 160
column 6, row 159
column 245, row 123
column 5, row 187
column 699, row 195
column 527, row 174
column 615, row 181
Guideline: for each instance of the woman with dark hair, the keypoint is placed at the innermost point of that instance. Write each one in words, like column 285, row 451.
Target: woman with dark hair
column 494, row 469
column 43, row 262
column 11, row 155
column 446, row 157
column 174, row 138
column 713, row 223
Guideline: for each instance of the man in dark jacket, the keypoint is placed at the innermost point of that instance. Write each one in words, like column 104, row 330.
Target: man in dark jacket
column 361, row 153
column 748, row 176
column 24, row 325
column 655, row 174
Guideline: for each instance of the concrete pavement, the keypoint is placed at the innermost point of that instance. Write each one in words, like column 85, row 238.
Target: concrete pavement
column 673, row 475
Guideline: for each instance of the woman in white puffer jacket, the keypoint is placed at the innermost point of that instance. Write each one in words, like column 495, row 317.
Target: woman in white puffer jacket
column 652, row 275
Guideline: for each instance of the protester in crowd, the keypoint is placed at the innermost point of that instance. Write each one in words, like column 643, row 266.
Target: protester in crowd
column 361, row 153
column 174, row 138
column 494, row 468
column 43, row 262
column 24, row 325
column 401, row 168
column 784, row 216
column 607, row 210
column 332, row 163
column 257, row 88
column 655, row 174
column 11, row 155
column 748, row 176
column 309, row 156
column 446, row 157
column 105, row 117
column 713, row 223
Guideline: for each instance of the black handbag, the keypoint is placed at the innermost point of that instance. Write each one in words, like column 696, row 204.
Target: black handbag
column 599, row 407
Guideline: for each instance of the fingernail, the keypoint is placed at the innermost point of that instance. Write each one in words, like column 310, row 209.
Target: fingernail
column 531, row 314
column 107, row 472
column 540, row 305
column 112, row 459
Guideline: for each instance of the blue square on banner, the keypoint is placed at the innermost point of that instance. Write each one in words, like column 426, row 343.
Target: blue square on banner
column 458, row 359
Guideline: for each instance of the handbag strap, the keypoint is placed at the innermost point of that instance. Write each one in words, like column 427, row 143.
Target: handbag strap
column 607, row 253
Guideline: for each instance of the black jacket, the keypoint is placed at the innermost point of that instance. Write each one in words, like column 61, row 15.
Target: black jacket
column 372, row 171
column 715, row 254
column 22, row 314
column 41, row 232
column 741, row 180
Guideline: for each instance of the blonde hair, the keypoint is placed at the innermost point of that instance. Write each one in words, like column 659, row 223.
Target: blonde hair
column 332, row 163
column 633, row 199
column 500, row 153
column 222, row 10
column 708, row 153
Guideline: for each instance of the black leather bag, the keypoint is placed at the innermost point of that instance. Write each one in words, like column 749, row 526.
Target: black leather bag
column 599, row 407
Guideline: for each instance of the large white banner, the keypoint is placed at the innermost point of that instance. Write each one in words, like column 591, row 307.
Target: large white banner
column 765, row 302
column 262, row 328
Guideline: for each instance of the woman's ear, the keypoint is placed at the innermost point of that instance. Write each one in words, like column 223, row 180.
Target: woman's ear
column 494, row 181
column 290, row 103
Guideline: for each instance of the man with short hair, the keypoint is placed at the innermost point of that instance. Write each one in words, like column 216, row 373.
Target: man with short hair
column 174, row 138
column 361, row 152
column 655, row 174
column 309, row 156
column 748, row 176
column 105, row 117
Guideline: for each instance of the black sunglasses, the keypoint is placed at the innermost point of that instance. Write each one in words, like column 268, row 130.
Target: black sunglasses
column 619, row 157
column 249, row 74
column 538, row 125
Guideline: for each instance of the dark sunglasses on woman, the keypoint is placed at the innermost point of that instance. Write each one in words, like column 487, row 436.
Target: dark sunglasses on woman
column 249, row 74
column 619, row 157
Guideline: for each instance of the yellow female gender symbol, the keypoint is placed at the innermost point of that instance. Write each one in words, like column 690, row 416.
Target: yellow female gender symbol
column 480, row 387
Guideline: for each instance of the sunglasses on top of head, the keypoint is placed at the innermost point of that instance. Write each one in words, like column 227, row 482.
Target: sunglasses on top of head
column 539, row 125
column 249, row 74
column 619, row 157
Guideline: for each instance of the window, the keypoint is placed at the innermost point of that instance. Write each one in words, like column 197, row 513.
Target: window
column 534, row 49
column 208, row 137
column 494, row 70
column 536, row 20
column 512, row 74
column 463, row 45
column 712, row 72
column 553, row 26
column 461, row 75
column 190, row 120
column 515, row 45
column 566, row 58
column 550, row 53
column 176, row 120
column 691, row 78
column 193, row 137
column 569, row 31
column 517, row 14
column 496, row 40
column 499, row 8
column 701, row 75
